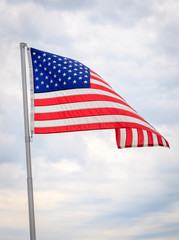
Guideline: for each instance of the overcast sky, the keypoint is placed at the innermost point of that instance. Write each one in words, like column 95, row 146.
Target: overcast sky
column 84, row 187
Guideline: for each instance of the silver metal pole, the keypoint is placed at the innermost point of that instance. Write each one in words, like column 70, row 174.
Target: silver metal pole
column 27, row 145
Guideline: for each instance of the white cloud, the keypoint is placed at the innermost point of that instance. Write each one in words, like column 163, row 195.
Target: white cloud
column 82, row 182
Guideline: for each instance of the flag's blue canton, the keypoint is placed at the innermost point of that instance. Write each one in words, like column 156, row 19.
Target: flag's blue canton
column 52, row 72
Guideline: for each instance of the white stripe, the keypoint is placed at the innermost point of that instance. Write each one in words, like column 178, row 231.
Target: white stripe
column 134, row 137
column 89, row 120
column 101, row 83
column 81, row 105
column 122, row 137
column 145, row 138
column 155, row 139
column 73, row 92
column 95, row 75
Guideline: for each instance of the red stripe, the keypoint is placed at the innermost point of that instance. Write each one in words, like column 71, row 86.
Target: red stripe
column 99, row 79
column 95, row 73
column 96, row 86
column 117, row 130
column 92, row 126
column 73, row 128
column 84, row 113
column 167, row 143
column 150, row 139
column 128, row 137
column 76, row 98
column 140, row 138
column 159, row 137
column 159, row 140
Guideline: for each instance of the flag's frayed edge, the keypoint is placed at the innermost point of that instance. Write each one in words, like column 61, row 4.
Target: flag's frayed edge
column 125, row 139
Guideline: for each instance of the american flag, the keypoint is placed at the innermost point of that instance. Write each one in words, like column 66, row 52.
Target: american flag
column 68, row 96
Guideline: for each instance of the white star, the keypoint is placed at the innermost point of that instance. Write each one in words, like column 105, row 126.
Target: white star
column 42, row 82
column 54, row 55
column 44, row 60
column 44, row 54
column 59, row 59
column 34, row 53
column 46, row 77
column 69, row 71
column 47, row 86
column 86, row 76
column 74, row 81
column 70, row 66
column 64, row 67
column 51, row 81
column 54, row 61
column 45, row 69
column 55, row 76
column 65, row 62
column 64, row 83
column 40, row 65
column 41, row 74
column 64, row 74
column 80, row 72
column 54, row 67
column 49, row 64
column 36, row 70
column 80, row 77
column 59, row 71
column 56, row 84
column 35, row 61
column 39, row 57
column 85, row 81
column 59, row 80
column 75, row 69
column 50, row 72
column 37, row 87
column 49, row 58
column 36, row 78
column 75, row 74
column 59, row 64
column 69, row 78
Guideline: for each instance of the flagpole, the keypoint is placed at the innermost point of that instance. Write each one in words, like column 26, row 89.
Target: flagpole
column 27, row 145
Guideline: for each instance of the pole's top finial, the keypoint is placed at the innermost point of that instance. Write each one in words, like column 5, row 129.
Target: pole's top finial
column 23, row 45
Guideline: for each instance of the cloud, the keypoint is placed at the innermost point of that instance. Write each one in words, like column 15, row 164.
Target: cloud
column 124, row 13
column 82, row 182
column 127, row 189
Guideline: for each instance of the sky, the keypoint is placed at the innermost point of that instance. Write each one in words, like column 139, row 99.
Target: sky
column 84, row 187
